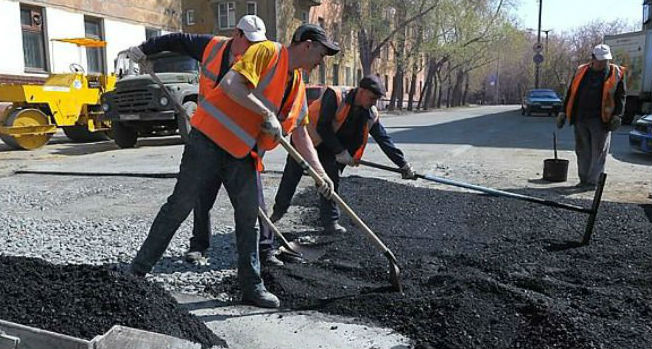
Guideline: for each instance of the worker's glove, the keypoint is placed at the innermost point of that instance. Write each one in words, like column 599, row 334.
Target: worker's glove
column 614, row 123
column 407, row 172
column 136, row 54
column 345, row 158
column 327, row 187
column 272, row 126
column 561, row 119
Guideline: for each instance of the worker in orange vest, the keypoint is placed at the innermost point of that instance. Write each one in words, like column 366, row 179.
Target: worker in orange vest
column 594, row 103
column 216, row 54
column 340, row 125
column 261, row 98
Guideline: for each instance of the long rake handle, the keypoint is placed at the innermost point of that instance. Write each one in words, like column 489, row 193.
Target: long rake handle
column 374, row 238
column 485, row 190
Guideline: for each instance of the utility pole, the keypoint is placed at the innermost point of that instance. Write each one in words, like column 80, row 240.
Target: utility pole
column 537, row 65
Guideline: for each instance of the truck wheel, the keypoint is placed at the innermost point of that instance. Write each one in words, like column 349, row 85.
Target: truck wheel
column 184, row 125
column 81, row 134
column 123, row 135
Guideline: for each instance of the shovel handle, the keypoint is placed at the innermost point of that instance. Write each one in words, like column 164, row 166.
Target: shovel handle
column 165, row 90
column 319, row 180
column 268, row 222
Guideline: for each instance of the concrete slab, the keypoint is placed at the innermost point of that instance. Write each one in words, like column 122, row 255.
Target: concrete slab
column 244, row 327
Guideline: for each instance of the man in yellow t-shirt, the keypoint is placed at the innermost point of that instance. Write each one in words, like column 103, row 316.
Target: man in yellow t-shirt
column 227, row 126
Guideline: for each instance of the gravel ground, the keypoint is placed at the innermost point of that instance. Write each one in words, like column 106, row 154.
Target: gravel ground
column 102, row 221
column 478, row 271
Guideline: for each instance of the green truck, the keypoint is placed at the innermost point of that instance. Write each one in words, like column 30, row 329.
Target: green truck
column 138, row 108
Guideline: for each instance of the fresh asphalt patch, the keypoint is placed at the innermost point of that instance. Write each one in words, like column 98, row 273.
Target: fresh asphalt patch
column 479, row 271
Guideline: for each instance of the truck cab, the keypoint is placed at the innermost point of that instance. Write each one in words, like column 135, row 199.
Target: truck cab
column 137, row 107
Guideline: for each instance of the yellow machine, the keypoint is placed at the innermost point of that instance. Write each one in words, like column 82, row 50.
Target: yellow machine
column 70, row 101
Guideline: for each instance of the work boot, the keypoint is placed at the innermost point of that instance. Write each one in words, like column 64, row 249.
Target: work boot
column 334, row 228
column 268, row 258
column 196, row 257
column 261, row 299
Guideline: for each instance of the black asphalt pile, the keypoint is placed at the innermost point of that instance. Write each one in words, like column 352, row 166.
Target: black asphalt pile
column 482, row 272
column 85, row 301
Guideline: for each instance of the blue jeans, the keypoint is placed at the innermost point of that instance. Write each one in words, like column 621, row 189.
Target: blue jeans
column 205, row 166
column 292, row 173
column 201, row 229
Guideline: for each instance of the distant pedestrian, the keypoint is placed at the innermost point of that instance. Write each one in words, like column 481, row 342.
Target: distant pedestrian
column 594, row 103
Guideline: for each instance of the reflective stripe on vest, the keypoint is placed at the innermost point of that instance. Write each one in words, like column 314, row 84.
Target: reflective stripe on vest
column 211, row 64
column 342, row 112
column 608, row 90
column 237, row 129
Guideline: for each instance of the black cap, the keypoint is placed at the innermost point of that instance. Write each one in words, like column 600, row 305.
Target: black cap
column 373, row 84
column 315, row 33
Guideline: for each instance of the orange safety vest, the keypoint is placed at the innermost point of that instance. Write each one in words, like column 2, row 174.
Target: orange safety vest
column 237, row 129
column 608, row 90
column 342, row 112
column 211, row 64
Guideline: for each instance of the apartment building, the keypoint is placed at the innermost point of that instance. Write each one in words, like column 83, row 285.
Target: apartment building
column 219, row 17
column 30, row 30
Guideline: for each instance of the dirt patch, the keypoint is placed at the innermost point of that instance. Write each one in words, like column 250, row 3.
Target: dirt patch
column 481, row 272
column 86, row 301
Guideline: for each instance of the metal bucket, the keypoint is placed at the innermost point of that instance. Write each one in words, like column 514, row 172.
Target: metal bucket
column 555, row 170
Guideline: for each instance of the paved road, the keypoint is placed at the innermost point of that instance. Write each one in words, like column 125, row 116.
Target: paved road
column 492, row 146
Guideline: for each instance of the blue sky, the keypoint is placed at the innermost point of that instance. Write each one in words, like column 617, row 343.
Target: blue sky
column 564, row 15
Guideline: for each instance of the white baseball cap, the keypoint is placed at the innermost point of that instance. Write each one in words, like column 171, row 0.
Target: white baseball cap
column 253, row 28
column 602, row 52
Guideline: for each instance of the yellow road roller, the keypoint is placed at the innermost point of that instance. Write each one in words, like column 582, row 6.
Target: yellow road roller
column 70, row 101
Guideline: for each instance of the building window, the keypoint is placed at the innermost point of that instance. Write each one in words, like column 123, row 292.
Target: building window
column 252, row 8
column 322, row 74
column 33, row 27
column 359, row 75
column 304, row 17
column 386, row 81
column 321, row 22
column 306, row 77
column 226, row 15
column 647, row 12
column 94, row 55
column 336, row 74
column 190, row 17
column 152, row 32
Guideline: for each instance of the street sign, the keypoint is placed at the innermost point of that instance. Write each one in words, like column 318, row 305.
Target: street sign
column 538, row 58
column 538, row 47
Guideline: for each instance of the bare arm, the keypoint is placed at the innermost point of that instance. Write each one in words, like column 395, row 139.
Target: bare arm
column 237, row 87
column 304, row 146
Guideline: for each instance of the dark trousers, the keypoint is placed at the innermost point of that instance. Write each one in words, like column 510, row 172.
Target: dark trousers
column 292, row 175
column 204, row 166
column 201, row 230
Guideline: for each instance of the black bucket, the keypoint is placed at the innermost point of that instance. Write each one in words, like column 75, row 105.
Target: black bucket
column 555, row 170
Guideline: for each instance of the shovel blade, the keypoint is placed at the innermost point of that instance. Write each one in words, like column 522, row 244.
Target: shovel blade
column 308, row 254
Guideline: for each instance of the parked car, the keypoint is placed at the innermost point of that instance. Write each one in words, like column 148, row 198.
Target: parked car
column 541, row 101
column 640, row 138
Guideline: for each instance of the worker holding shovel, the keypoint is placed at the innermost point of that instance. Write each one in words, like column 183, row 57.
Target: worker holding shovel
column 261, row 98
column 339, row 127
column 217, row 55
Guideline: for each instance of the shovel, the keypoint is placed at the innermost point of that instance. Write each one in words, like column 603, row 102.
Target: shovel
column 394, row 270
column 293, row 249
